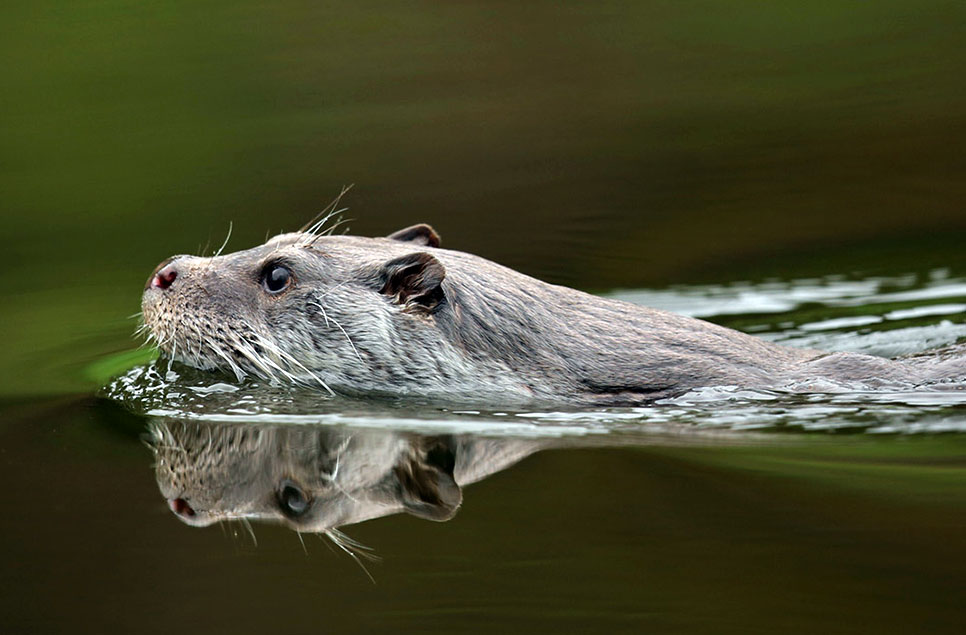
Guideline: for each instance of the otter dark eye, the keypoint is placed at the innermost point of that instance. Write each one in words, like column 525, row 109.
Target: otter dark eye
column 292, row 499
column 276, row 278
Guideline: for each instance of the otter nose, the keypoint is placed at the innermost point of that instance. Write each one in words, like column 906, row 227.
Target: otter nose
column 164, row 276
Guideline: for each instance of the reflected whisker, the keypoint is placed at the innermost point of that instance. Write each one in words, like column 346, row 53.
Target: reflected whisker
column 248, row 526
column 349, row 546
column 299, row 534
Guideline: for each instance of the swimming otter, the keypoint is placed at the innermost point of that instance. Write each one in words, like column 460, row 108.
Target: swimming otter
column 400, row 316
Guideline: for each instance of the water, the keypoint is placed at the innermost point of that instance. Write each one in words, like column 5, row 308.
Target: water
column 795, row 172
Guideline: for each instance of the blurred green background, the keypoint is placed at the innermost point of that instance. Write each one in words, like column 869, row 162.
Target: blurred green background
column 594, row 144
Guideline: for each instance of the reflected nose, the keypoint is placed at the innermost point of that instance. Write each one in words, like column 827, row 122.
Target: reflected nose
column 164, row 275
column 181, row 507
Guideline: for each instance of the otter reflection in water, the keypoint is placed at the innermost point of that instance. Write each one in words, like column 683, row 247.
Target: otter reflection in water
column 315, row 479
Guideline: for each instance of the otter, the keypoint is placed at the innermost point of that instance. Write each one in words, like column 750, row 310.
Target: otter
column 400, row 316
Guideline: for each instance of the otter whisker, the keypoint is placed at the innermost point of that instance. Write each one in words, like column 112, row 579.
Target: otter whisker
column 162, row 341
column 332, row 228
column 327, row 210
column 333, row 288
column 288, row 357
column 269, row 368
column 311, row 231
column 340, row 222
column 337, row 538
column 317, row 227
column 348, row 339
column 266, row 366
column 174, row 352
column 143, row 331
column 239, row 372
column 224, row 244
column 248, row 526
column 319, row 306
column 156, row 431
column 321, row 536
column 179, row 445
column 315, row 232
column 333, row 478
column 363, row 550
column 299, row 534
column 172, row 338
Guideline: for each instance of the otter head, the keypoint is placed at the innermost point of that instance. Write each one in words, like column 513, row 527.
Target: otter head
column 302, row 308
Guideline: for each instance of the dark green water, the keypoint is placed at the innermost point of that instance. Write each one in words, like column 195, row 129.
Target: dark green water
column 796, row 171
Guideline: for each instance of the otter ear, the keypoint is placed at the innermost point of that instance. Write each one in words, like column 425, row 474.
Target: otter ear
column 427, row 485
column 421, row 234
column 415, row 279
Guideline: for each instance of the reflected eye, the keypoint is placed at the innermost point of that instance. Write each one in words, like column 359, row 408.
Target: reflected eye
column 292, row 500
column 276, row 278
